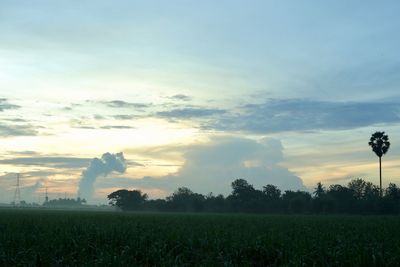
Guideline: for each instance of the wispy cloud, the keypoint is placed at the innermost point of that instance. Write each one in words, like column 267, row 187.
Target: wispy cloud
column 10, row 130
column 53, row 162
column 24, row 153
column 124, row 117
column 98, row 117
column 122, row 127
column 15, row 120
column 180, row 97
column 85, row 123
column 4, row 105
column 81, row 123
column 189, row 112
column 124, row 104
column 31, row 158
column 282, row 115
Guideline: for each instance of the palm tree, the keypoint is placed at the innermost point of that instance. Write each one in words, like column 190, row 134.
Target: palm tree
column 380, row 144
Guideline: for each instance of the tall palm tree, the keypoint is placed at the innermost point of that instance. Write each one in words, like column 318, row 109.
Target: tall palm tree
column 380, row 144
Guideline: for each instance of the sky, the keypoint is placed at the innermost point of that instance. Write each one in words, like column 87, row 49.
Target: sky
column 97, row 96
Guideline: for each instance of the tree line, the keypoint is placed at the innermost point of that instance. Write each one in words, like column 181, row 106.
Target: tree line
column 359, row 196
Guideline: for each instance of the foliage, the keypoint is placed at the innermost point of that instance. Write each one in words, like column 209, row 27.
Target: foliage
column 358, row 196
column 126, row 199
column 62, row 238
column 184, row 199
column 379, row 143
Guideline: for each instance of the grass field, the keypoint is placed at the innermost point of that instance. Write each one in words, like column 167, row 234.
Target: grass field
column 68, row 238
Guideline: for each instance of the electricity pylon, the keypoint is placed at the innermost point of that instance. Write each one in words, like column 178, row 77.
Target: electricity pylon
column 17, row 194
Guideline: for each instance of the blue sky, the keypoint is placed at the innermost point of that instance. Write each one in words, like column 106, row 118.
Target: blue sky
column 172, row 82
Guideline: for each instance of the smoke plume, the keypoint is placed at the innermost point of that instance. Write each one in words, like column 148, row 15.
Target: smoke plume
column 29, row 191
column 107, row 164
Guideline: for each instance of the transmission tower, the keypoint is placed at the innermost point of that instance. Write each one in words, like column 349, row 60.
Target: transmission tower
column 17, row 194
column 47, row 197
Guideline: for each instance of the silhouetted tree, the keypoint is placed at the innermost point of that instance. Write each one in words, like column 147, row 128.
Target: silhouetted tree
column 392, row 192
column 184, row 199
column 357, row 186
column 242, row 189
column 319, row 191
column 215, row 203
column 320, row 201
column 155, row 205
column 380, row 144
column 371, row 198
column 365, row 196
column 271, row 192
column 358, row 196
column 272, row 198
column 391, row 200
column 371, row 192
column 244, row 197
column 296, row 201
column 127, row 200
column 341, row 197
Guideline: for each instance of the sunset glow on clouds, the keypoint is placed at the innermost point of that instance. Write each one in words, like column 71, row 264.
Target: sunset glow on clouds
column 196, row 94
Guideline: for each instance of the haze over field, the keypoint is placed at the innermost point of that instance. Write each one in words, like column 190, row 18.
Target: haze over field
column 195, row 94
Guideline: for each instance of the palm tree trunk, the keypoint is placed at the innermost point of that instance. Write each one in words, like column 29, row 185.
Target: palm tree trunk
column 380, row 175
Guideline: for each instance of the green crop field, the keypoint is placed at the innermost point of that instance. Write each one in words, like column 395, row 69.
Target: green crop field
column 68, row 238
